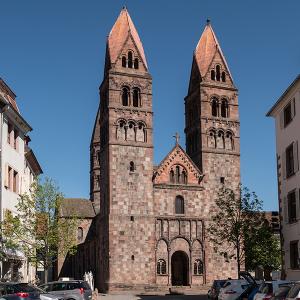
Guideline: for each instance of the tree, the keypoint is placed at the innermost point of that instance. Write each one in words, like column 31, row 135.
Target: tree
column 237, row 218
column 263, row 250
column 36, row 229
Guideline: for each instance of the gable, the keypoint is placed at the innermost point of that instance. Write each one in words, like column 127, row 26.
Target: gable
column 177, row 157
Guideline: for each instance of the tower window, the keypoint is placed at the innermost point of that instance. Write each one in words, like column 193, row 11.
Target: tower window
column 214, row 107
column 124, row 61
column 130, row 59
column 177, row 174
column 136, row 63
column 136, row 97
column 223, row 77
column 222, row 180
column 179, row 205
column 79, row 233
column 161, row 267
column 218, row 72
column 224, row 108
column 131, row 166
column 125, row 96
column 132, row 257
column 213, row 75
column 172, row 176
column 198, row 267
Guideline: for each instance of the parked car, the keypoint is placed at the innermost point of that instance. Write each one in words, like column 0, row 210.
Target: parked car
column 267, row 289
column 21, row 291
column 214, row 291
column 282, row 292
column 69, row 290
column 232, row 289
column 294, row 292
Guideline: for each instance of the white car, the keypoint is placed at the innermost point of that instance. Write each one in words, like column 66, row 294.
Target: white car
column 267, row 289
column 232, row 289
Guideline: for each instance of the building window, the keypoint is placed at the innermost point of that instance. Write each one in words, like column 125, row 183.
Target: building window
column 224, row 108
column 9, row 133
column 172, row 176
column 218, row 72
column 136, row 63
column 214, row 107
column 136, row 97
column 130, row 59
column 198, row 267
column 289, row 154
column 212, row 75
column 131, row 166
column 15, row 182
column 124, row 61
column 125, row 96
column 222, row 180
column 79, row 233
column 179, row 205
column 161, row 267
column 16, row 135
column 223, row 77
column 294, row 255
column 292, row 210
column 289, row 113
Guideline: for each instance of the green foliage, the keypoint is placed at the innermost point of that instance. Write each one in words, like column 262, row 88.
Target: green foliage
column 36, row 229
column 239, row 226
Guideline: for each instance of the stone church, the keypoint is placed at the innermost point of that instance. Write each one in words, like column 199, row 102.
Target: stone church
column 145, row 224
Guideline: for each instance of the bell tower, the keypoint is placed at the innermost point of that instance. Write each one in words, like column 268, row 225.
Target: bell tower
column 212, row 119
column 123, row 141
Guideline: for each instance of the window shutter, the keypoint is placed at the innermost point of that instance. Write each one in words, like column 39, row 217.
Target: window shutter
column 293, row 108
column 295, row 154
column 282, row 119
column 285, row 211
column 297, row 204
column 283, row 166
column 6, row 177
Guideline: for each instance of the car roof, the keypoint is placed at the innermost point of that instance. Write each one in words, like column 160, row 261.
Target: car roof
column 64, row 281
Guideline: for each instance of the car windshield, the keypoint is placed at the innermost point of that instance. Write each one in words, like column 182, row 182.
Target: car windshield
column 85, row 285
column 265, row 288
column 293, row 293
column 24, row 287
column 282, row 291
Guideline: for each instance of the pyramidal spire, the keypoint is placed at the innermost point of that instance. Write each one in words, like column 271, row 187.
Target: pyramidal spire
column 122, row 29
column 206, row 50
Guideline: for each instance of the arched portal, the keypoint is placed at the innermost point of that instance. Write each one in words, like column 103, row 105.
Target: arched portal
column 180, row 268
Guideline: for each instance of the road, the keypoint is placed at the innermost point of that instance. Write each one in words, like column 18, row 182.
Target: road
column 143, row 297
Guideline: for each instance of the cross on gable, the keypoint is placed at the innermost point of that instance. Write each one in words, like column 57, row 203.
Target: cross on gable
column 177, row 137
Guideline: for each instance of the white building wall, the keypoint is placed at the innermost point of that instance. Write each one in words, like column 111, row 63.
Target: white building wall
column 284, row 137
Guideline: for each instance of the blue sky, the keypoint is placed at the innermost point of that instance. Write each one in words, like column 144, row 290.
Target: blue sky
column 52, row 56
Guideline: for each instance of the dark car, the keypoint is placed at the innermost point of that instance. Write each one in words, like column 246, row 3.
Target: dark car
column 21, row 291
column 213, row 293
column 69, row 290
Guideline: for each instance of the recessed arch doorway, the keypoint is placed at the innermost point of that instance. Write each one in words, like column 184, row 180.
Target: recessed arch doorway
column 180, row 268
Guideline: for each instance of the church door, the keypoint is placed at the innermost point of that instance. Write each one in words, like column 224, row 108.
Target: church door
column 179, row 268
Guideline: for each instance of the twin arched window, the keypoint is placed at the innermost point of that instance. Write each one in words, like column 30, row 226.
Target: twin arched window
column 220, row 139
column 179, row 205
column 217, row 75
column 178, row 175
column 219, row 108
column 161, row 267
column 198, row 267
column 131, row 131
column 126, row 97
column 129, row 61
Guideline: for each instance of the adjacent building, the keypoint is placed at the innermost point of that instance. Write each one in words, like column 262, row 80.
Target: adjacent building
column 286, row 112
column 19, row 167
column 149, row 228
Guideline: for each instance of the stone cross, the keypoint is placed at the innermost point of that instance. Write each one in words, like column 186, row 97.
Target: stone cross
column 177, row 137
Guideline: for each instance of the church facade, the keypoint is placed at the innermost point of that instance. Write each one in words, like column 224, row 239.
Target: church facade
column 149, row 223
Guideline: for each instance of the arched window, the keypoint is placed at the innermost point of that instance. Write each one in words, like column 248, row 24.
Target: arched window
column 141, row 133
column 136, row 97
column 213, row 75
column 198, row 267
column 229, row 141
column 177, row 178
column 224, row 108
column 220, row 140
column 131, row 129
column 223, row 77
column 161, row 267
column 136, row 63
column 214, row 107
column 131, row 166
column 79, row 233
column 124, row 61
column 179, row 205
column 218, row 72
column 212, row 139
column 125, row 96
column 172, row 176
column 184, row 177
column 130, row 59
